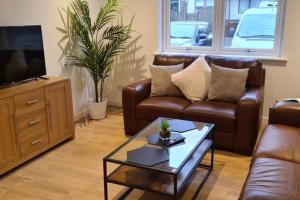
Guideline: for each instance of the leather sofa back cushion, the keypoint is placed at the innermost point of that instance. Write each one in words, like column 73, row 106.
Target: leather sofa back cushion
column 285, row 113
column 272, row 179
column 256, row 75
column 279, row 142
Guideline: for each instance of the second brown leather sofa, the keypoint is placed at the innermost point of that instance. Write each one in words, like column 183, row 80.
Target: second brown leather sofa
column 275, row 169
column 237, row 124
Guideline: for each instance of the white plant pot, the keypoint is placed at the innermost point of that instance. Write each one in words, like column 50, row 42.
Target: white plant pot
column 98, row 110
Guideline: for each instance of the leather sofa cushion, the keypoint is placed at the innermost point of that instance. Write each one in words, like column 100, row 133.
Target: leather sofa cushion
column 280, row 142
column 154, row 107
column 223, row 115
column 174, row 59
column 286, row 113
column 272, row 179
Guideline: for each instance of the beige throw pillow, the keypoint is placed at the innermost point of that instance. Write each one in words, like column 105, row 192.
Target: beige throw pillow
column 161, row 84
column 194, row 81
column 227, row 84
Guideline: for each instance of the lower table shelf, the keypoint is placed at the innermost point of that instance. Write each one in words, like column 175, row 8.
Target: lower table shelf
column 158, row 181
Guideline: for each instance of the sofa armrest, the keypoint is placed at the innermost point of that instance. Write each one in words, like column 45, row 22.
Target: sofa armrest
column 136, row 92
column 249, row 116
column 252, row 95
column 285, row 113
column 131, row 96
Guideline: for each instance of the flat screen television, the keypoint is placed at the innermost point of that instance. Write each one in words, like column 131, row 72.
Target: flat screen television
column 21, row 53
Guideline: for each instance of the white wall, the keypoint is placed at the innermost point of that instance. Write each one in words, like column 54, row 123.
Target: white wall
column 284, row 82
column 45, row 13
column 281, row 82
column 130, row 66
column 133, row 64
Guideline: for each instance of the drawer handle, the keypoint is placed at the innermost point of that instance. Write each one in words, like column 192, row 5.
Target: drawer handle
column 32, row 123
column 37, row 141
column 29, row 103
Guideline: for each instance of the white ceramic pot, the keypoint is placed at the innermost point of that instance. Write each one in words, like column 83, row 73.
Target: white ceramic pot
column 98, row 110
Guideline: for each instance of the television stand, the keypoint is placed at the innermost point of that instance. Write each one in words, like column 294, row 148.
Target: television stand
column 35, row 116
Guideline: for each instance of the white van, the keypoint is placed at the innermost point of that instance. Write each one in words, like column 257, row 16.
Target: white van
column 256, row 28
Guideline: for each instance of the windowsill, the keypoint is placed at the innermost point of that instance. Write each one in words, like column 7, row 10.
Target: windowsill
column 267, row 60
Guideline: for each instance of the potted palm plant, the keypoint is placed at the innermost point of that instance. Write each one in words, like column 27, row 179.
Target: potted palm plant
column 95, row 45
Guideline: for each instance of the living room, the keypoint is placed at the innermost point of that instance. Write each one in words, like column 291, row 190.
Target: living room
column 150, row 129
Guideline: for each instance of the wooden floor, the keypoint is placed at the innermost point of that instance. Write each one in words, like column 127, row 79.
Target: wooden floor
column 73, row 171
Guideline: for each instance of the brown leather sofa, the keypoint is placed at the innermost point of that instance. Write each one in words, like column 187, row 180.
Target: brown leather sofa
column 275, row 168
column 237, row 124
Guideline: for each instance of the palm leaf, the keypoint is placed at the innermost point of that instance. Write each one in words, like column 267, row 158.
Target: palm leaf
column 106, row 14
column 87, row 49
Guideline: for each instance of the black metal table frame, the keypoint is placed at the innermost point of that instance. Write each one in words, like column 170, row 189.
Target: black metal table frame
column 177, row 191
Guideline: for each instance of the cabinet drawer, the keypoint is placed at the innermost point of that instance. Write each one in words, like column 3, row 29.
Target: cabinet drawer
column 28, row 102
column 31, row 122
column 33, row 141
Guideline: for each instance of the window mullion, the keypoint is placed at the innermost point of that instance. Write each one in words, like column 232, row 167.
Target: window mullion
column 219, row 24
column 280, row 27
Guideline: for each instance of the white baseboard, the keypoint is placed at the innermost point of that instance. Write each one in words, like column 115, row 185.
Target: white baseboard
column 80, row 114
column 115, row 103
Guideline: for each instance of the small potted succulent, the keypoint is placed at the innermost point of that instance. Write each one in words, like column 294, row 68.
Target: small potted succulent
column 164, row 133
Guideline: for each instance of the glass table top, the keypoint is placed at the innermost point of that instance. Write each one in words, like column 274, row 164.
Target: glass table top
column 178, row 153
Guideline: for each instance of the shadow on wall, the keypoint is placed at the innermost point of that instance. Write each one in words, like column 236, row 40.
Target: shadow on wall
column 82, row 88
column 128, row 68
column 82, row 83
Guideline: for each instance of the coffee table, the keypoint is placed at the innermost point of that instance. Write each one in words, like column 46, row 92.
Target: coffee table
column 169, row 178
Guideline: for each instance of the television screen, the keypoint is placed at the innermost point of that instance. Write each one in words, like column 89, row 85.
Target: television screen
column 21, row 53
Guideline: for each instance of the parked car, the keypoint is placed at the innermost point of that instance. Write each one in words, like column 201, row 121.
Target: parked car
column 256, row 28
column 187, row 34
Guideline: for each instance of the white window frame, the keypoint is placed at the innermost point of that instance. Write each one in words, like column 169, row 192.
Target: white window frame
column 218, row 34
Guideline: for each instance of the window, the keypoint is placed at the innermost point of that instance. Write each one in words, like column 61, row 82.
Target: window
column 191, row 23
column 247, row 27
column 244, row 5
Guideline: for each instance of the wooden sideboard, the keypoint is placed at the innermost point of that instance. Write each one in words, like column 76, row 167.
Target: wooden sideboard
column 34, row 117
